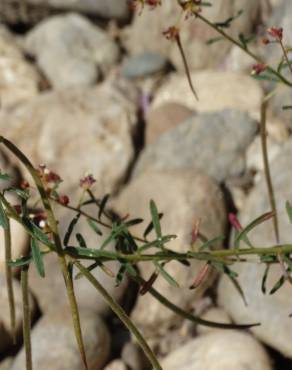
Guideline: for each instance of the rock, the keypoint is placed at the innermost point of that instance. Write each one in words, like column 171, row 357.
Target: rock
column 272, row 311
column 54, row 344
column 215, row 314
column 96, row 132
column 116, row 365
column 181, row 206
column 19, row 243
column 18, row 79
column 6, row 364
column 226, row 90
column 143, row 65
column 134, row 357
column 146, row 32
column 5, row 338
column 238, row 61
column 196, row 143
column 50, row 292
column 35, row 10
column 254, row 156
column 71, row 51
column 224, row 350
column 164, row 118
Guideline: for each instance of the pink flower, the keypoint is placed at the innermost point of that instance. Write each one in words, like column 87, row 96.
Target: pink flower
column 87, row 182
column 276, row 33
column 258, row 68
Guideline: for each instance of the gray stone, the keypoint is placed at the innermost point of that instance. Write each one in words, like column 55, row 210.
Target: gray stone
column 134, row 357
column 71, row 51
column 215, row 314
column 272, row 311
column 54, row 344
column 18, row 79
column 212, row 142
column 143, row 65
column 146, row 32
column 116, row 365
column 78, row 131
column 5, row 337
column 216, row 90
column 6, row 364
column 225, row 350
column 183, row 197
column 33, row 10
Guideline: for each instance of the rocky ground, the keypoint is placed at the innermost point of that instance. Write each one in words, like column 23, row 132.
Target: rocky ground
column 89, row 86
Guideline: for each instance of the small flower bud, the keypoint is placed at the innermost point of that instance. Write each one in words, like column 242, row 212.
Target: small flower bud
column 87, row 182
column 276, row 33
column 258, row 68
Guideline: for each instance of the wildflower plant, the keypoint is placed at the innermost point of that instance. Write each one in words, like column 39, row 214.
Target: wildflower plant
column 130, row 250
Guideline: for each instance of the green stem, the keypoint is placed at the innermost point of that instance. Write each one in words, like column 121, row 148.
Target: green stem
column 9, row 280
column 197, row 320
column 57, row 241
column 121, row 314
column 26, row 326
column 238, row 44
column 267, row 171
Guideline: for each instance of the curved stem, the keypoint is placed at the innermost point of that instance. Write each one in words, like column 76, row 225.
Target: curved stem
column 121, row 314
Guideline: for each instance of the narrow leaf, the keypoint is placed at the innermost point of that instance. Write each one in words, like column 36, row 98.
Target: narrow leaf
column 102, row 205
column 166, row 275
column 3, row 217
column 37, row 257
column 278, row 284
column 289, row 211
column 70, row 229
column 81, row 241
column 4, row 176
column 155, row 218
column 265, row 277
column 150, row 227
column 94, row 226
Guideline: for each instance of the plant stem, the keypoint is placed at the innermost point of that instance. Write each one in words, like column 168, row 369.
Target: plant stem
column 246, row 50
column 26, row 317
column 267, row 171
column 52, row 222
column 9, row 280
column 121, row 314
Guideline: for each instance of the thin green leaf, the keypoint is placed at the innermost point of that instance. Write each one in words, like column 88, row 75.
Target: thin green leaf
column 20, row 261
column 81, row 241
column 22, row 193
column 166, row 275
column 89, row 268
column 228, row 21
column 135, row 221
column 286, row 107
column 278, row 284
column 242, row 235
column 3, row 217
column 213, row 40
column 155, row 218
column 71, row 228
column 117, row 230
column 90, row 253
column 37, row 257
column 157, row 243
column 130, row 269
column 150, row 226
column 210, row 242
column 265, row 277
column 94, row 226
column 4, row 176
column 102, row 205
column 289, row 211
column 265, row 77
column 120, row 275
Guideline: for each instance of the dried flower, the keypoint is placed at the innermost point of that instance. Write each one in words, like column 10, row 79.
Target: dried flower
column 24, row 184
column 49, row 178
column 258, row 68
column 276, row 33
column 171, row 33
column 87, row 182
column 64, row 200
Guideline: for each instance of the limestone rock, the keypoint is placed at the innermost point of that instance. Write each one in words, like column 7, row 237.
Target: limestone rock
column 211, row 142
column 71, row 51
column 54, row 344
column 224, row 350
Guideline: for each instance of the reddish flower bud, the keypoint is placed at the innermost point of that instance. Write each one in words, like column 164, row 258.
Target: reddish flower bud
column 87, row 182
column 24, row 184
column 265, row 41
column 234, row 221
column 258, row 68
column 64, row 200
column 276, row 33
column 171, row 33
column 17, row 208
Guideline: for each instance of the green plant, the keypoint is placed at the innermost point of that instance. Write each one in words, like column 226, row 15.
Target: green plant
column 132, row 250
